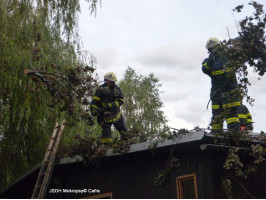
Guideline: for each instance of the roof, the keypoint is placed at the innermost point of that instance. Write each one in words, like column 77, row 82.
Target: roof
column 191, row 136
column 204, row 139
column 199, row 135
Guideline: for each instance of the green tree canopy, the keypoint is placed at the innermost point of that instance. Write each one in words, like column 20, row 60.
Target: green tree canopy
column 248, row 50
column 143, row 116
column 143, row 106
column 40, row 36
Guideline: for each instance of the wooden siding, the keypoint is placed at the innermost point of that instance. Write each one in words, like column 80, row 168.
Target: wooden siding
column 132, row 176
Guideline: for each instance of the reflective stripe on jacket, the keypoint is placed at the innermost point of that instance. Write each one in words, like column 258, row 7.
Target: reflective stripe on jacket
column 215, row 68
column 108, row 99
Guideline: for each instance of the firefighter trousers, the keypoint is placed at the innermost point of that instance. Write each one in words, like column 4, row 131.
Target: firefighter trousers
column 120, row 126
column 228, row 109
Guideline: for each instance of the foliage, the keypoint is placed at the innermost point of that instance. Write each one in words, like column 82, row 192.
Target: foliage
column 142, row 108
column 248, row 49
column 242, row 161
column 40, row 36
column 144, row 93
column 164, row 175
column 88, row 148
column 238, row 170
column 71, row 90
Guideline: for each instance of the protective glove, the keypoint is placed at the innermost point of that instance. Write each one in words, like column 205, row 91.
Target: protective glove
column 95, row 112
column 211, row 59
column 107, row 115
column 111, row 105
column 250, row 127
column 212, row 55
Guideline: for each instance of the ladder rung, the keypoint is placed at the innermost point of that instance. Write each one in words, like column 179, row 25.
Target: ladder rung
column 43, row 174
column 48, row 162
column 44, row 165
column 49, row 149
column 38, row 186
column 53, row 138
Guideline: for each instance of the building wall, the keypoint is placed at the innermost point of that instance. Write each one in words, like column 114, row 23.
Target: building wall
column 23, row 188
column 132, row 176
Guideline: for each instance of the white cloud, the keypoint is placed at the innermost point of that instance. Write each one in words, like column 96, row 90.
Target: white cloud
column 106, row 57
column 175, row 54
column 175, row 97
column 167, row 38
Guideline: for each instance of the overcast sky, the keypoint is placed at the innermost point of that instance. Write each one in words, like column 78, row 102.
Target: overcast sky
column 167, row 38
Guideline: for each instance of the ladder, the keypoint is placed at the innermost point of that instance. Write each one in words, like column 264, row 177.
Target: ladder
column 46, row 170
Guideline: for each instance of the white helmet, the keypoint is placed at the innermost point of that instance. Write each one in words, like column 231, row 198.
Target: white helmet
column 212, row 42
column 110, row 76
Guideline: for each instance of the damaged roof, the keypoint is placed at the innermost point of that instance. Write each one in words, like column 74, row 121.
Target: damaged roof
column 199, row 136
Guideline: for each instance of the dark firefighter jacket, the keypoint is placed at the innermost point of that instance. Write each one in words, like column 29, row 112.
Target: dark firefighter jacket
column 106, row 103
column 244, row 116
column 214, row 66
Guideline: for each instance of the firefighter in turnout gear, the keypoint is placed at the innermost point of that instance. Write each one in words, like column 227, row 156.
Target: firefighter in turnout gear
column 106, row 106
column 222, row 96
column 244, row 117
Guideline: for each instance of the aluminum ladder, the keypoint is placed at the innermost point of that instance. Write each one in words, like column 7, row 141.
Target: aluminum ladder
column 47, row 167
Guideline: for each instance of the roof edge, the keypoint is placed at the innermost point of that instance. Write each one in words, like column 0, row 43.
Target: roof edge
column 144, row 146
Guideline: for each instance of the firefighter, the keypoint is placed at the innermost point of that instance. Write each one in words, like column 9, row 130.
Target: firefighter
column 106, row 106
column 224, row 101
column 244, row 117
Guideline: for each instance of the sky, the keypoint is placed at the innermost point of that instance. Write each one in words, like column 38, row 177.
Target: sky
column 167, row 38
